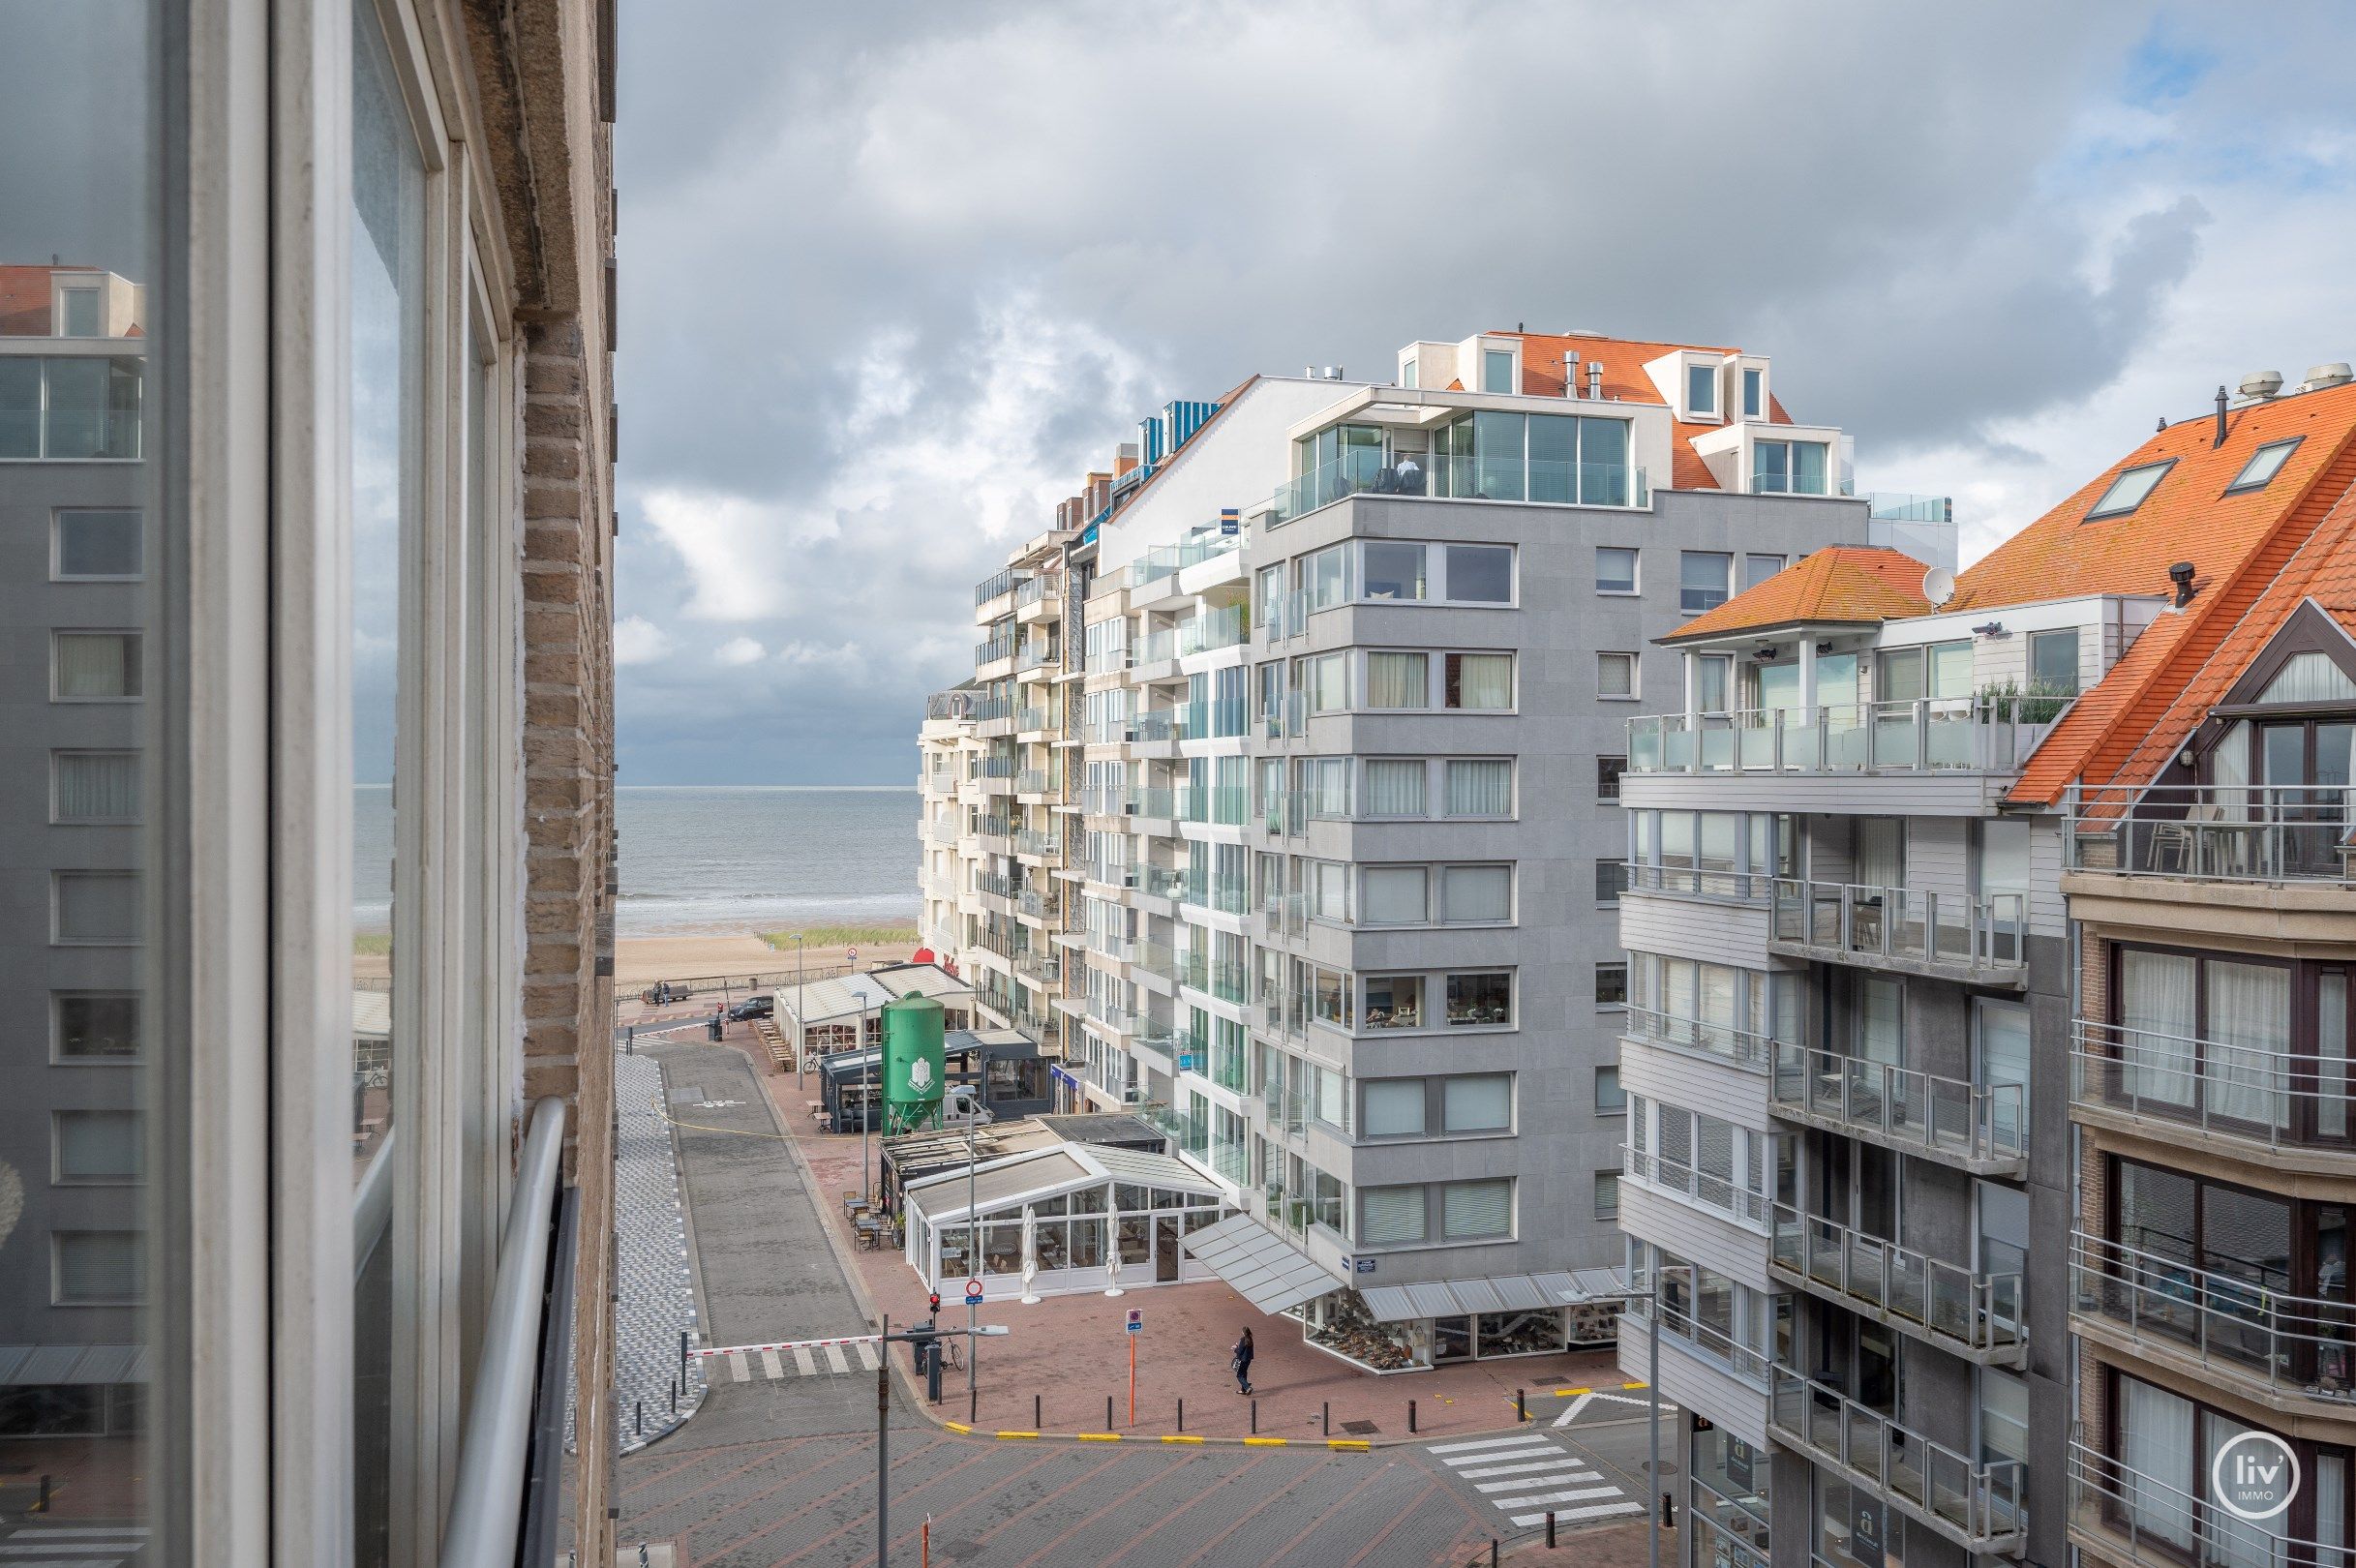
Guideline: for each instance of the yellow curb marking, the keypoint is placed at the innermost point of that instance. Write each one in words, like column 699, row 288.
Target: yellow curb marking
column 956, row 1426
column 1098, row 1437
column 1571, row 1393
column 1018, row 1434
column 1266, row 1442
column 1177, row 1440
column 1359, row 1444
column 1626, row 1388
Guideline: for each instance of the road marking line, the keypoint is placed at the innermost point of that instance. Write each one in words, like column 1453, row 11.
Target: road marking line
column 803, row 1362
column 866, row 1356
column 1574, row 1476
column 770, row 1366
column 1516, row 1469
column 1570, row 1412
column 1492, row 1442
column 1586, row 1494
column 737, row 1365
column 1570, row 1516
column 836, row 1361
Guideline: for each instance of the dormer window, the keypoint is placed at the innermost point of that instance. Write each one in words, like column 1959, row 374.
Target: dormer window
column 77, row 312
column 1497, row 371
column 1702, row 389
column 2129, row 490
column 2263, row 465
column 1754, row 392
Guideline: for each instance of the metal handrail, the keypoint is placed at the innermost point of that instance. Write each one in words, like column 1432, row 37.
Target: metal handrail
column 1743, row 1048
column 2273, row 1098
column 1677, row 1179
column 2213, row 832
column 1984, row 930
column 1919, row 1111
column 1925, row 735
column 2243, row 1327
column 1720, row 885
column 1981, row 1502
column 1981, row 1312
column 487, row 1505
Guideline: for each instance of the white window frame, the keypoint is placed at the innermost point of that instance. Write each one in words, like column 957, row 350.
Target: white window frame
column 138, row 634
column 1636, row 576
column 57, row 529
column 1636, row 670
column 58, row 819
column 57, row 934
column 57, row 1147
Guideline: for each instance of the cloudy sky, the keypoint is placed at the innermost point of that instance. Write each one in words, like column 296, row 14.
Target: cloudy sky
column 896, row 274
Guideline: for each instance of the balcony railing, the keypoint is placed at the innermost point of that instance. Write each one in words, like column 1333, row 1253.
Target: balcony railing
column 1676, row 1323
column 1033, row 841
column 1987, row 931
column 997, row 767
column 993, row 828
column 1225, row 805
column 2242, row 1326
column 1976, row 1315
column 2215, row 832
column 991, row 650
column 1938, row 735
column 1711, row 1191
column 1114, row 1015
column 2145, row 1522
column 1037, row 719
column 2264, row 1096
column 1039, row 781
column 1720, row 885
column 1224, row 895
column 1035, row 903
column 1159, row 882
column 1215, row 628
column 1743, row 1048
column 998, row 584
column 1985, row 1129
column 1032, row 589
column 1981, row 1506
column 945, row 830
column 1465, row 478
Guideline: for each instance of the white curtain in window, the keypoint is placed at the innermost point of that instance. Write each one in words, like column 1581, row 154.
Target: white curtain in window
column 2249, row 1039
column 1394, row 1108
column 1394, row 788
column 1396, row 895
column 2229, row 772
column 1476, row 893
column 97, row 785
column 96, row 664
column 2236, row 1543
column 1397, row 680
column 2331, row 1504
column 1881, row 852
column 1474, row 1209
column 2156, row 1025
column 1483, row 681
column 1476, row 1104
column 1480, row 789
column 2332, row 1056
column 2309, row 678
column 1392, row 1213
column 2155, row 1451
column 1883, row 1034
column 1718, row 995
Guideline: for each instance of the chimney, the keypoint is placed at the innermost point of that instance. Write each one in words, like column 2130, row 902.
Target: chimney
column 2219, row 440
column 1596, row 380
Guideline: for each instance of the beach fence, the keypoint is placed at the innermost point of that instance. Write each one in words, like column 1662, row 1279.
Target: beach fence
column 727, row 986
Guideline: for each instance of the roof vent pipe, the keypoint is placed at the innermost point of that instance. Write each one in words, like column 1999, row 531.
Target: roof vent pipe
column 2261, row 384
column 1596, row 380
column 2181, row 574
column 2219, row 440
column 2335, row 374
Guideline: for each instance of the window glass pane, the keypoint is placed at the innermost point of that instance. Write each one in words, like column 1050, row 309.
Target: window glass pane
column 1605, row 476
column 1476, row 893
column 1397, row 680
column 1498, row 465
column 2264, row 464
column 1394, row 1002
column 1497, row 371
column 1475, row 1209
column 96, row 1146
column 1754, row 393
column 1480, row 788
column 96, row 542
column 97, row 1268
column 97, row 907
column 1480, row 574
column 81, row 313
column 20, row 407
column 1553, row 455
column 98, row 666
column 1611, row 986
column 2053, row 661
column 1394, row 1107
column 1702, row 388
column 1391, row 1215
column 1395, row 895
column 1477, row 1104
column 1394, row 788
column 1703, row 579
column 1609, row 878
column 1392, row 570
column 1950, row 670
column 95, row 786
column 1607, row 1194
column 1757, row 569
column 1811, row 472
column 1902, row 675
column 1714, row 681
column 1611, row 1099
column 1614, row 569
column 1480, row 999
column 1479, row 681
column 2127, row 491
column 95, row 1025
column 1616, row 674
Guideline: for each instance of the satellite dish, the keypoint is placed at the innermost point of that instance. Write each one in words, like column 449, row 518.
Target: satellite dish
column 1938, row 585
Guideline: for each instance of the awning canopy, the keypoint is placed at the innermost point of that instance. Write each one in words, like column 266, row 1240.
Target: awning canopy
column 1503, row 1293
column 850, row 997
column 27, row 1365
column 1264, row 1268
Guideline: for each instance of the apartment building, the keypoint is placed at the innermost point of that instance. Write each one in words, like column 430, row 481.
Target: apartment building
column 1873, row 1026
column 1344, row 835
column 306, row 839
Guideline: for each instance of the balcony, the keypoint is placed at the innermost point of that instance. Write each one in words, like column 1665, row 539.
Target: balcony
column 1744, row 1048
column 943, row 829
column 1978, row 1507
column 1159, row 882
column 1977, row 940
column 1039, row 781
column 2214, row 832
column 1705, row 1189
column 70, row 407
column 1977, row 1316
column 1217, row 805
column 1718, row 885
column 1223, row 979
column 1037, row 844
column 996, row 650
column 2260, row 1102
column 1213, row 629
column 2293, row 1354
column 1947, row 735
column 1677, row 1324
column 1463, row 478
column 1040, row 597
column 1984, row 1130
column 998, row 586
column 2119, row 1515
column 1220, row 894
column 1112, row 1016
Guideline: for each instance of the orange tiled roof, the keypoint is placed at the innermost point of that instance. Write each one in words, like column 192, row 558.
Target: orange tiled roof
column 2239, row 544
column 1623, row 362
column 1840, row 582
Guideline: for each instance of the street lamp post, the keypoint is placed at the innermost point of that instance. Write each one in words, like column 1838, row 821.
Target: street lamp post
column 1653, row 1399
column 973, row 1224
column 801, row 1033
column 866, row 1111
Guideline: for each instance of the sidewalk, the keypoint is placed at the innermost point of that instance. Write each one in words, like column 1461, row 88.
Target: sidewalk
column 1066, row 1355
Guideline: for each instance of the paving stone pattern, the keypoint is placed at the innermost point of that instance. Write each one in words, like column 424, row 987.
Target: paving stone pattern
column 657, row 1284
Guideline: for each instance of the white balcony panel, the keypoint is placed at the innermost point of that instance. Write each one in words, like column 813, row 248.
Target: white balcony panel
column 1695, row 1081
column 1696, row 1383
column 1694, row 928
column 1696, row 1234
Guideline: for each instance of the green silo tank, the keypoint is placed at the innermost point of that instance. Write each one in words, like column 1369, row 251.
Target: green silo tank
column 916, row 1068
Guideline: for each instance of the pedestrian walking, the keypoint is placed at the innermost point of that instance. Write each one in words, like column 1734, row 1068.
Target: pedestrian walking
column 1242, row 1363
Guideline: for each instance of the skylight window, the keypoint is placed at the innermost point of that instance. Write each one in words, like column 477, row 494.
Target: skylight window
column 2263, row 465
column 2129, row 490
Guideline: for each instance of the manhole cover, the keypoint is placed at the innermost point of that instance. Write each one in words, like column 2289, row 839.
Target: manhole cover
column 1360, row 1428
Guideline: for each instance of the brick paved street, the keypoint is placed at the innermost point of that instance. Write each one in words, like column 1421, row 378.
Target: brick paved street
column 778, row 1470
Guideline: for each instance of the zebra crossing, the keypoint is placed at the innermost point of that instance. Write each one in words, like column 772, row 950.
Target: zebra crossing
column 1532, row 1475
column 779, row 1361
column 72, row 1545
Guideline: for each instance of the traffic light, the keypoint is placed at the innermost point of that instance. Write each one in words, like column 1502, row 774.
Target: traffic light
column 933, row 1302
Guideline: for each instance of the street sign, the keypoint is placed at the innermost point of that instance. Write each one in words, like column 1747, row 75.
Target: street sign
column 972, row 1292
column 1136, row 1321
column 852, row 955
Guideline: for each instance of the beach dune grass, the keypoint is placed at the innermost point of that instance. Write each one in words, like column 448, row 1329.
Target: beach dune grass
column 843, row 936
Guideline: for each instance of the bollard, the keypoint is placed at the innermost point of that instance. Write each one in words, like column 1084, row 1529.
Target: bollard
column 1411, row 1415
column 1325, row 1414
column 1182, row 1415
column 973, row 1405
column 675, row 1395
column 639, row 1421
column 1549, row 1529
column 1520, row 1407
column 1108, row 1412
column 682, row 1355
column 43, row 1506
column 1493, row 1552
column 1034, row 1421
column 1256, row 1416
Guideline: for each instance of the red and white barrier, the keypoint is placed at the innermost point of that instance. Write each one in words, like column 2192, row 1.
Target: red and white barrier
column 785, row 1344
